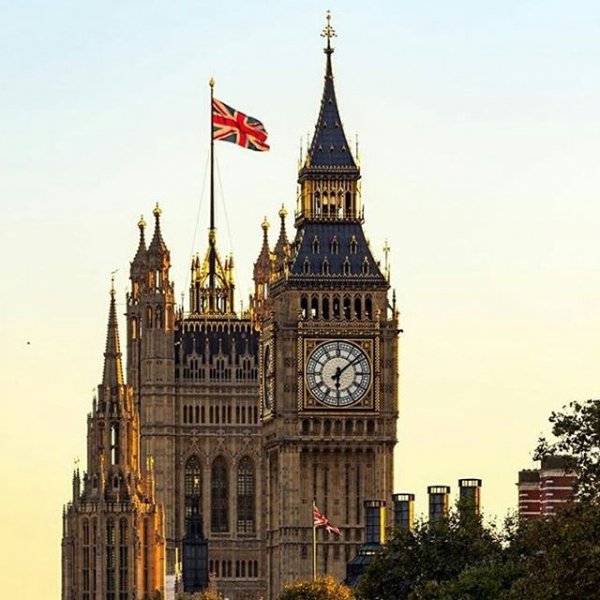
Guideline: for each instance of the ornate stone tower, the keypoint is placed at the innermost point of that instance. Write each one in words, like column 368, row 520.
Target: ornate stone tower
column 195, row 373
column 113, row 544
column 329, row 365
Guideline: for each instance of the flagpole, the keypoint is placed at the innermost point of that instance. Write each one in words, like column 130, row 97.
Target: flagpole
column 314, row 557
column 211, row 233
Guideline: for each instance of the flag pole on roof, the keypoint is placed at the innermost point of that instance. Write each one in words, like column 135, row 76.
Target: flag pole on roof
column 211, row 233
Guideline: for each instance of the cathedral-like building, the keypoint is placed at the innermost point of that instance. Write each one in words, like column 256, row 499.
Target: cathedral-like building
column 247, row 418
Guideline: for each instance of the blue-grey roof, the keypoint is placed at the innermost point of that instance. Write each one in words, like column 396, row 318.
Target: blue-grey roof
column 334, row 250
column 329, row 147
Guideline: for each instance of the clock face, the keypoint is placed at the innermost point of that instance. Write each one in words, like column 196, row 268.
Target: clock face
column 267, row 369
column 338, row 373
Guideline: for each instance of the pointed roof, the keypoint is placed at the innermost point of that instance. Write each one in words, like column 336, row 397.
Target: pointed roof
column 262, row 266
column 113, row 369
column 329, row 147
column 140, row 255
column 157, row 245
column 282, row 244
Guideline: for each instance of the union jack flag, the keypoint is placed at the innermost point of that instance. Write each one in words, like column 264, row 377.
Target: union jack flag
column 320, row 520
column 230, row 125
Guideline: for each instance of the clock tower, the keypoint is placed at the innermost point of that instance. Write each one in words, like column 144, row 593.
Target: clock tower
column 328, row 364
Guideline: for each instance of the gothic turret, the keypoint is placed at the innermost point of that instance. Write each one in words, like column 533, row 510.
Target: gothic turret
column 212, row 285
column 330, row 244
column 113, row 370
column 150, row 308
column 282, row 247
column 329, row 177
column 115, row 507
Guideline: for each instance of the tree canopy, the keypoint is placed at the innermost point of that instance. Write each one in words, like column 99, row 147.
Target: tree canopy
column 549, row 558
column 576, row 430
column 323, row 588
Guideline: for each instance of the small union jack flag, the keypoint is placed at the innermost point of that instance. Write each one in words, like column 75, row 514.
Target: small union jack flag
column 320, row 520
column 230, row 125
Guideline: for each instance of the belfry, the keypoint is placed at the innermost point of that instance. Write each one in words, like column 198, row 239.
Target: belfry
column 247, row 418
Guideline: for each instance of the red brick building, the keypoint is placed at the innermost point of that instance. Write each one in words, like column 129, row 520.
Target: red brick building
column 542, row 490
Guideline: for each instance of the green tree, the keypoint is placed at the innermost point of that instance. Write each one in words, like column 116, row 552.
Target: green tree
column 416, row 564
column 577, row 434
column 323, row 588
column 560, row 555
column 205, row 595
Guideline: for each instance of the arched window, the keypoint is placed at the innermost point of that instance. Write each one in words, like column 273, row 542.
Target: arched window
column 134, row 328
column 314, row 308
column 346, row 267
column 315, row 245
column 347, row 314
column 368, row 308
column 110, row 561
column 158, row 317
column 123, row 561
column 353, row 245
column 306, row 266
column 245, row 496
column 192, row 485
column 304, row 307
column 336, row 307
column 325, row 267
column 349, row 211
column 114, row 443
column 325, row 310
column 149, row 317
column 365, row 266
column 335, row 245
column 219, row 514
column 86, row 560
column 357, row 308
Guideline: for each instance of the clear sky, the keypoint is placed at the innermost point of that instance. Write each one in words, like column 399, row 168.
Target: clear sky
column 479, row 140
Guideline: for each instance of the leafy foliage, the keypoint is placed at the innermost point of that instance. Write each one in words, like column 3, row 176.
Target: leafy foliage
column 577, row 433
column 205, row 595
column 416, row 564
column 323, row 588
column 560, row 555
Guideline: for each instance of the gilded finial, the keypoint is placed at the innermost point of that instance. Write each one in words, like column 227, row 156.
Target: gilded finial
column 212, row 82
column 329, row 31
column 157, row 211
column 265, row 224
column 142, row 223
column 282, row 212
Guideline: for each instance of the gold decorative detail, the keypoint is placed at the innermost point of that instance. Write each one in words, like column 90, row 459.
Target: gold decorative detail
column 142, row 222
column 212, row 82
column 329, row 31
column 157, row 211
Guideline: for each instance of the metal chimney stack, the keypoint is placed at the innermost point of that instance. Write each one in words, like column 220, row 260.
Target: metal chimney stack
column 404, row 511
column 439, row 496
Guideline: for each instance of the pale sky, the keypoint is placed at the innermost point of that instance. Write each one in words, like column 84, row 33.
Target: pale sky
column 479, row 141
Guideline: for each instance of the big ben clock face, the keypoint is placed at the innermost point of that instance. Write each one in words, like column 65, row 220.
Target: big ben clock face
column 338, row 373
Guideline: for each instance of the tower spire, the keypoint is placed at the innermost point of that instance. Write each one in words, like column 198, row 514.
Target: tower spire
column 329, row 176
column 113, row 369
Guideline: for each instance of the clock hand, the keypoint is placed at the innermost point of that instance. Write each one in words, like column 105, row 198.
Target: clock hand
column 336, row 377
column 357, row 359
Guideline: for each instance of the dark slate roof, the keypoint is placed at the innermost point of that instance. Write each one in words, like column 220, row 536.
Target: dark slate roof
column 347, row 235
column 212, row 338
column 329, row 147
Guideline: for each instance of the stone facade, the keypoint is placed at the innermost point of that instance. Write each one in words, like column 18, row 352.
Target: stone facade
column 253, row 416
column 113, row 545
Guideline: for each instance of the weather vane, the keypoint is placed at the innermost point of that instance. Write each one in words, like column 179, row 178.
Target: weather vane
column 329, row 31
column 112, row 280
